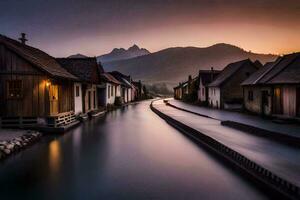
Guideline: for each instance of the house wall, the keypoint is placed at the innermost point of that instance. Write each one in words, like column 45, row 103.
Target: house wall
column 110, row 94
column 214, row 97
column 232, row 89
column 78, row 99
column 93, row 98
column 202, row 92
column 35, row 99
column 255, row 105
column 66, row 96
column 289, row 100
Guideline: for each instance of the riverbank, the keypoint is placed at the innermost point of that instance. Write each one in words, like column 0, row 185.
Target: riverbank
column 253, row 124
column 249, row 167
column 12, row 141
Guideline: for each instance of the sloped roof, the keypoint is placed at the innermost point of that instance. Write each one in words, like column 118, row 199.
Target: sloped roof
column 121, row 78
column 229, row 71
column 38, row 58
column 107, row 77
column 284, row 70
column 207, row 76
column 86, row 69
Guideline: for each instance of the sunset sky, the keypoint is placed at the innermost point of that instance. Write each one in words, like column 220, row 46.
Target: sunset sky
column 94, row 27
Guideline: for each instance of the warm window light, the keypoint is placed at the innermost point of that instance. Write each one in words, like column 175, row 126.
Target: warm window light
column 48, row 83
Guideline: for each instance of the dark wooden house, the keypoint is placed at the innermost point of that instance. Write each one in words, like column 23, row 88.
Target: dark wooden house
column 33, row 85
column 274, row 90
column 226, row 92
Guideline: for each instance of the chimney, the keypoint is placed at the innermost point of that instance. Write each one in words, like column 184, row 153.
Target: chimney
column 23, row 38
column 190, row 78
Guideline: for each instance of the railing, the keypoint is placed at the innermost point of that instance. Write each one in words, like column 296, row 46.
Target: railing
column 250, row 168
column 17, row 122
column 61, row 119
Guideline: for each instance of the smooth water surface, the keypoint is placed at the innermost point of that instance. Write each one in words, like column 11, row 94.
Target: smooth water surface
column 128, row 154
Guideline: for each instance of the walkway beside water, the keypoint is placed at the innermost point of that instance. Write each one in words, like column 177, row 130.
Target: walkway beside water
column 279, row 158
column 252, row 120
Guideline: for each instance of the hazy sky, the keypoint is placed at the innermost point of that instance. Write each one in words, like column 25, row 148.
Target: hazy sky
column 94, row 27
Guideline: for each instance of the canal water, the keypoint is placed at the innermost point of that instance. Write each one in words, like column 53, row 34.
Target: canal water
column 130, row 153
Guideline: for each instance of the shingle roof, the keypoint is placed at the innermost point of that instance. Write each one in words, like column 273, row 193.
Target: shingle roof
column 284, row 70
column 229, row 71
column 107, row 77
column 38, row 58
column 86, row 69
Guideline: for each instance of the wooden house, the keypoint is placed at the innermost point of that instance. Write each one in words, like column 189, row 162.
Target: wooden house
column 88, row 73
column 34, row 88
column 274, row 90
column 178, row 92
column 225, row 91
column 109, row 91
column 205, row 77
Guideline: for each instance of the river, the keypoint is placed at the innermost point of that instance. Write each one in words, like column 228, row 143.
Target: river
column 130, row 153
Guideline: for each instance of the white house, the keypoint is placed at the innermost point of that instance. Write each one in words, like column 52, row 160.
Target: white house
column 109, row 90
column 205, row 78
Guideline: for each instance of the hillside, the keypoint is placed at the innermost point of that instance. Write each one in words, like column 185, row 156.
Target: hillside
column 175, row 64
column 121, row 54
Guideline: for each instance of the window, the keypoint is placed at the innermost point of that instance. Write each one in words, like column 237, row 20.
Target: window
column 203, row 91
column 250, row 95
column 112, row 91
column 14, row 89
column 115, row 90
column 77, row 91
column 89, row 100
column 214, row 91
column 108, row 91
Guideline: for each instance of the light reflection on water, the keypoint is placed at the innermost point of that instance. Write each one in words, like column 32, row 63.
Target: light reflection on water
column 54, row 156
column 129, row 154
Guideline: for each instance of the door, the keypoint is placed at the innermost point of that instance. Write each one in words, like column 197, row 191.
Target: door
column 277, row 103
column 89, row 100
column 298, row 102
column 53, row 96
column 264, row 102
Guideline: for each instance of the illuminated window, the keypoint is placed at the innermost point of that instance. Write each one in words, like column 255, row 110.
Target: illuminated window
column 14, row 89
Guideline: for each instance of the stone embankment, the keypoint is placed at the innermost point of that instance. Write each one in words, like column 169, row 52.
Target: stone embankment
column 9, row 147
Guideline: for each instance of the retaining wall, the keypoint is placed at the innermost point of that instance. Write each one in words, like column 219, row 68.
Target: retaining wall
column 263, row 176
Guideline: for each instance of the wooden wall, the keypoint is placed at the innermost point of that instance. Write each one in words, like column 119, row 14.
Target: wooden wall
column 35, row 94
column 232, row 89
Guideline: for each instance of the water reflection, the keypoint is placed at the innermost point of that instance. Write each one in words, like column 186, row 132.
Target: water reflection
column 54, row 156
column 129, row 154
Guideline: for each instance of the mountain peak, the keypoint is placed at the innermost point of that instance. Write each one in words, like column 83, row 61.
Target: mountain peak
column 77, row 56
column 134, row 48
column 122, row 54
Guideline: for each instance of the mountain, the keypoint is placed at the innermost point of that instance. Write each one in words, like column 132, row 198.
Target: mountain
column 175, row 64
column 77, row 56
column 121, row 54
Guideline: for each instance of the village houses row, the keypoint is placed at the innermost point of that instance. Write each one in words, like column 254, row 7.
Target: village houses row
column 38, row 89
column 272, row 89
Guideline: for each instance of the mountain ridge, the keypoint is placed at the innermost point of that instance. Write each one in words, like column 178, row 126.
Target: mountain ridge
column 182, row 61
column 122, row 54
